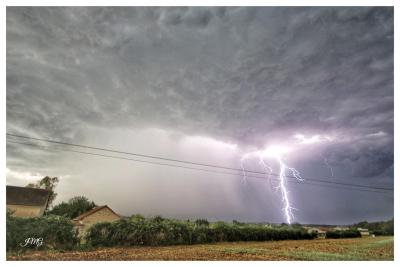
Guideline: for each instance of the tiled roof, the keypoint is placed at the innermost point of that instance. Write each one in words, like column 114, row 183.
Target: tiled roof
column 17, row 195
column 95, row 209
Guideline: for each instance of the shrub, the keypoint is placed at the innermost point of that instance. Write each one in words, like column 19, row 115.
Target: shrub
column 57, row 232
column 200, row 222
column 343, row 234
column 99, row 234
column 378, row 228
column 137, row 231
column 381, row 232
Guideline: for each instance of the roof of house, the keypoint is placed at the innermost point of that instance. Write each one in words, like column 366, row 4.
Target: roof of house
column 95, row 209
column 28, row 196
column 316, row 229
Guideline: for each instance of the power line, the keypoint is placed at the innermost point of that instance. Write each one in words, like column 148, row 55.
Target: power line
column 190, row 162
column 184, row 167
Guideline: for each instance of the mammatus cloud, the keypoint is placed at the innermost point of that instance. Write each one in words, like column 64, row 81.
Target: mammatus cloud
column 238, row 76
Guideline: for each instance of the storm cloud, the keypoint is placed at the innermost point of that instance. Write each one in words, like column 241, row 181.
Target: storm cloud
column 205, row 84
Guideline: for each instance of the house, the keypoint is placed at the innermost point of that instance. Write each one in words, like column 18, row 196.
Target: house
column 341, row 228
column 96, row 215
column 363, row 232
column 26, row 202
column 320, row 232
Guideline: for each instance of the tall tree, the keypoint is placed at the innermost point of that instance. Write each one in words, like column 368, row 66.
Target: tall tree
column 48, row 183
column 73, row 208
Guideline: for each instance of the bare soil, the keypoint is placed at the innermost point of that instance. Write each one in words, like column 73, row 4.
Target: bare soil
column 368, row 248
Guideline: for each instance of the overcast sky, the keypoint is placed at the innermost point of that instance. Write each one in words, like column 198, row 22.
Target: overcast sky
column 206, row 85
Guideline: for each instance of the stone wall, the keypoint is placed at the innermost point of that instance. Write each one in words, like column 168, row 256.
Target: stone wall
column 103, row 215
column 26, row 211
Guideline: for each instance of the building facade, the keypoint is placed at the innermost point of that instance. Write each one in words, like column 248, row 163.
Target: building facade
column 26, row 202
column 364, row 232
column 96, row 215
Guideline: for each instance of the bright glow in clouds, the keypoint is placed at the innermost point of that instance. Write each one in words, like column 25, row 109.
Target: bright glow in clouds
column 26, row 176
column 378, row 134
column 313, row 139
column 208, row 142
column 317, row 139
column 277, row 152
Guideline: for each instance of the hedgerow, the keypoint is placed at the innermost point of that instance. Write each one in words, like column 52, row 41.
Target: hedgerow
column 159, row 232
column 343, row 234
column 55, row 231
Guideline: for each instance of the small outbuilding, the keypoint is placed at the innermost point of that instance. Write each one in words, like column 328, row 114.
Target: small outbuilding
column 320, row 232
column 96, row 215
column 363, row 232
column 341, row 228
column 26, row 202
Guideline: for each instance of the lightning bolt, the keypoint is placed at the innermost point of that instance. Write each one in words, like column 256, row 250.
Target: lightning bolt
column 268, row 169
column 276, row 152
column 244, row 180
column 327, row 165
column 283, row 168
column 284, row 191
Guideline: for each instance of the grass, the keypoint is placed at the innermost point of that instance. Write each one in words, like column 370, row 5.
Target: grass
column 322, row 256
column 370, row 249
column 380, row 243
column 378, row 248
column 242, row 251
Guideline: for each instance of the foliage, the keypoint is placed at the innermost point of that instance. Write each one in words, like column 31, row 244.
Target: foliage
column 200, row 222
column 48, row 183
column 343, row 234
column 378, row 228
column 235, row 222
column 57, row 232
column 73, row 208
column 137, row 218
column 157, row 231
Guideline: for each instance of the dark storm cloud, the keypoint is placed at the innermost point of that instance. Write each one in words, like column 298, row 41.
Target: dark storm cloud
column 240, row 75
column 196, row 17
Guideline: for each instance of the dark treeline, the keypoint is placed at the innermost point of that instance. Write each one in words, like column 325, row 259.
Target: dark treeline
column 158, row 231
column 378, row 228
column 343, row 234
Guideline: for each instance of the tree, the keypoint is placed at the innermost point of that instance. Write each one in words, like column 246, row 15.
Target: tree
column 235, row 222
column 137, row 218
column 158, row 219
column 363, row 224
column 48, row 183
column 201, row 222
column 73, row 208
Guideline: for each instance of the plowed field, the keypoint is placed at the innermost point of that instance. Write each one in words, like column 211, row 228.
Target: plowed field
column 368, row 248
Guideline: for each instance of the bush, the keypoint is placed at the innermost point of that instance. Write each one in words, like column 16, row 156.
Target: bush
column 378, row 228
column 200, row 222
column 161, row 232
column 381, row 232
column 57, row 232
column 343, row 234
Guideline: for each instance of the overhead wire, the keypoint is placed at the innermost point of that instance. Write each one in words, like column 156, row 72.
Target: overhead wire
column 191, row 162
column 186, row 167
